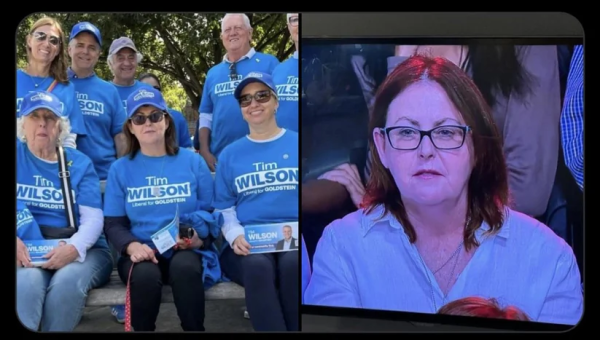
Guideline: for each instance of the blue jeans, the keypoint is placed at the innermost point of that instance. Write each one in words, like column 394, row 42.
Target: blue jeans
column 50, row 300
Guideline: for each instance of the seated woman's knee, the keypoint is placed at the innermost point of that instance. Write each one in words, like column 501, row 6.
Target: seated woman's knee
column 32, row 279
column 146, row 273
column 257, row 264
column 184, row 263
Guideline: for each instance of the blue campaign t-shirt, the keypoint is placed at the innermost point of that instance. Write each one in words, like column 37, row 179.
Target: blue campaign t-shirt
column 182, row 180
column 217, row 98
column 66, row 94
column 104, row 116
column 182, row 131
column 125, row 91
column 39, row 186
column 285, row 77
column 260, row 178
column 27, row 227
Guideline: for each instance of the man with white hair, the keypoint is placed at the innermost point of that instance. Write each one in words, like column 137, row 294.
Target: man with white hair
column 99, row 101
column 221, row 121
column 285, row 77
column 123, row 59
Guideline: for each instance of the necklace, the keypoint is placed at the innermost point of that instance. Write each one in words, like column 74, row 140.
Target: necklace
column 156, row 184
column 456, row 252
column 35, row 84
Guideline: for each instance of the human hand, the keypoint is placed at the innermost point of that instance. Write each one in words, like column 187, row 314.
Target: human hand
column 23, row 259
column 347, row 175
column 140, row 252
column 60, row 256
column 241, row 246
column 189, row 243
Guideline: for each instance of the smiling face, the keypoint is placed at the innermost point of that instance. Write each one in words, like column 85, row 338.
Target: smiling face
column 149, row 133
column 124, row 64
column 84, row 51
column 426, row 175
column 235, row 35
column 44, row 44
column 258, row 111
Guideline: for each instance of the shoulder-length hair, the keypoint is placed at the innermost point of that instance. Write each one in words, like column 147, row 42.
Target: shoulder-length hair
column 484, row 308
column 133, row 145
column 58, row 67
column 488, row 184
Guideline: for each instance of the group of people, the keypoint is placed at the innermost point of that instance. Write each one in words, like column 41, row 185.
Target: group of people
column 123, row 160
column 448, row 210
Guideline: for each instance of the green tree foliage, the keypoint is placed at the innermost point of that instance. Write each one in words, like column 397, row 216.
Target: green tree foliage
column 178, row 47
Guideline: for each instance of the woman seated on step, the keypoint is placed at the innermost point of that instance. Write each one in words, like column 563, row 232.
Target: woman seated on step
column 156, row 206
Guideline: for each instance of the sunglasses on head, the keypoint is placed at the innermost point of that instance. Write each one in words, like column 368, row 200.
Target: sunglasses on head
column 41, row 36
column 260, row 97
column 232, row 72
column 140, row 119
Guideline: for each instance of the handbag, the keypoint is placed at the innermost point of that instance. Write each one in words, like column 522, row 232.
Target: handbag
column 65, row 181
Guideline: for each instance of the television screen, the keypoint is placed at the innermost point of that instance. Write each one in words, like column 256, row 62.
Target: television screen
column 442, row 177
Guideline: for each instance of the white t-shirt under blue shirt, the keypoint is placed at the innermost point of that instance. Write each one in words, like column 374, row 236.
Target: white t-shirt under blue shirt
column 183, row 180
column 104, row 116
column 259, row 178
column 66, row 94
column 285, row 77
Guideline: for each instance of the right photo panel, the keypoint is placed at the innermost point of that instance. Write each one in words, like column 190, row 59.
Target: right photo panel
column 443, row 176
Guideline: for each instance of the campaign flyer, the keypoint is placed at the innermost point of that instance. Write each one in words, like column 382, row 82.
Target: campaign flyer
column 272, row 237
column 38, row 248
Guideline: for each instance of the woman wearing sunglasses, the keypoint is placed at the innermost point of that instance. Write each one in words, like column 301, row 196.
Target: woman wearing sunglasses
column 46, row 70
column 145, row 191
column 257, row 183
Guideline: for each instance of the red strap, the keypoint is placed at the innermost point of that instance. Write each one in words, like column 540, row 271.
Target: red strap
column 51, row 87
column 127, row 291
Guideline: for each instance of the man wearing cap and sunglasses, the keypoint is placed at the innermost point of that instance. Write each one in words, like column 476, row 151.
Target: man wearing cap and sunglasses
column 285, row 77
column 123, row 59
column 220, row 121
column 99, row 101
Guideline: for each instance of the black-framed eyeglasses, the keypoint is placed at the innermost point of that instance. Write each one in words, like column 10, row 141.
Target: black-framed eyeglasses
column 41, row 36
column 294, row 21
column 232, row 72
column 446, row 137
column 260, row 97
column 155, row 117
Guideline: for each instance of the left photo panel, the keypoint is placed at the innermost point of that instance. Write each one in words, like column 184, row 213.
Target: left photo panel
column 157, row 161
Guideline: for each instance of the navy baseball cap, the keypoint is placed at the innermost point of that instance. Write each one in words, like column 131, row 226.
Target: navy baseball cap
column 85, row 26
column 255, row 77
column 145, row 96
column 40, row 100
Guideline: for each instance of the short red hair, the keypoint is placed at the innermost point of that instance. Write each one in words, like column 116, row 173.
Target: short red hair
column 484, row 308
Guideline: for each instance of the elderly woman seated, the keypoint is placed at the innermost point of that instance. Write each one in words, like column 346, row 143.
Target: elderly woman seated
column 435, row 224
column 51, row 295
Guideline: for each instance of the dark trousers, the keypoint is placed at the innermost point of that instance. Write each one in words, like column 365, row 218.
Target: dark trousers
column 183, row 272
column 271, row 285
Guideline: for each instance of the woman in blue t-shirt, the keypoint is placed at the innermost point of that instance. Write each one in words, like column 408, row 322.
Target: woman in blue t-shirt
column 46, row 70
column 51, row 297
column 145, row 191
column 257, row 183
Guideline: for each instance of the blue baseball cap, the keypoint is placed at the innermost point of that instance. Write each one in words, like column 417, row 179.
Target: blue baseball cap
column 145, row 96
column 40, row 100
column 85, row 26
column 255, row 77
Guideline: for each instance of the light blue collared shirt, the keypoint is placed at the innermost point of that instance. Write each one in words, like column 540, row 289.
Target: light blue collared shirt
column 365, row 262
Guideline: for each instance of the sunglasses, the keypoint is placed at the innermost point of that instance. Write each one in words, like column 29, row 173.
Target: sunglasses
column 260, row 97
column 294, row 21
column 154, row 117
column 41, row 36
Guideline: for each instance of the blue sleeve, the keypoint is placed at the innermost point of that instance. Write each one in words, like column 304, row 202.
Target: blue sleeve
column 274, row 62
column 225, row 195
column 196, row 136
column 331, row 282
column 114, row 195
column 205, row 183
column 206, row 104
column 564, row 300
column 183, row 132
column 75, row 115
column 88, row 190
column 119, row 115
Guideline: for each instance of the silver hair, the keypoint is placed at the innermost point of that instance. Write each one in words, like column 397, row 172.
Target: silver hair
column 64, row 126
column 288, row 16
column 110, row 61
column 244, row 18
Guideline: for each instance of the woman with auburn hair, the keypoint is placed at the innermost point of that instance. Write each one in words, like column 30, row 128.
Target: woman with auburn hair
column 483, row 308
column 435, row 225
column 46, row 70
